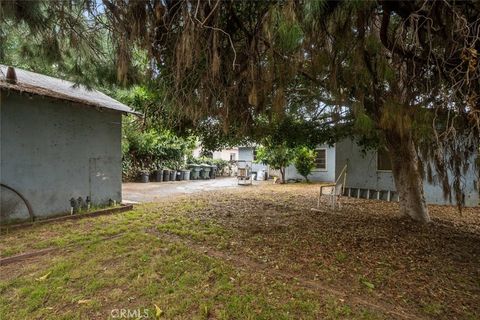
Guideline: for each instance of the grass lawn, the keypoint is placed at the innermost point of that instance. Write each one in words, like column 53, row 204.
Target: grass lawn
column 250, row 253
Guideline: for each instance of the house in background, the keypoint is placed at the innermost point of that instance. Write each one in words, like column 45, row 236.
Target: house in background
column 324, row 170
column 58, row 142
column 225, row 154
column 370, row 176
column 250, row 154
column 235, row 154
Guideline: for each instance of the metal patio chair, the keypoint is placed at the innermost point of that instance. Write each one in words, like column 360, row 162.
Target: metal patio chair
column 332, row 192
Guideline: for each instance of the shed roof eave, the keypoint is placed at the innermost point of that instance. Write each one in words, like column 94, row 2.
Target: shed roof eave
column 43, row 85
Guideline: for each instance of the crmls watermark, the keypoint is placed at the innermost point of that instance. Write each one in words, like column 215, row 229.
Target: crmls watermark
column 130, row 313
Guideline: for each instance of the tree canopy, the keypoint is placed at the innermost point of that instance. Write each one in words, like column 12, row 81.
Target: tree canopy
column 400, row 74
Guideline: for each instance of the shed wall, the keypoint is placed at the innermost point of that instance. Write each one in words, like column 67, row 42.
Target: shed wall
column 52, row 151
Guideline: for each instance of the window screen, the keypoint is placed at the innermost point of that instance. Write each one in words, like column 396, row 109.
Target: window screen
column 383, row 160
column 321, row 159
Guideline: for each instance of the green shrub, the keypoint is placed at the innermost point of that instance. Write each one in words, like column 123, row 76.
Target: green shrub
column 304, row 161
column 277, row 156
column 221, row 164
column 151, row 149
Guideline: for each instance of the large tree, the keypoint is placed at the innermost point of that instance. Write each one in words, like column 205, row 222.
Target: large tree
column 409, row 71
column 401, row 74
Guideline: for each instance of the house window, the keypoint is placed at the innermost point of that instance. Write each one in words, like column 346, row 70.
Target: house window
column 383, row 160
column 232, row 156
column 321, row 159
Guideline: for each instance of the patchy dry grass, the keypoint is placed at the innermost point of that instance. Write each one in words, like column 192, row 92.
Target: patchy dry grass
column 251, row 253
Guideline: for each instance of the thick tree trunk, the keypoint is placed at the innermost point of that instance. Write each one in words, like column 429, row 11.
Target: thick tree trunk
column 282, row 172
column 408, row 178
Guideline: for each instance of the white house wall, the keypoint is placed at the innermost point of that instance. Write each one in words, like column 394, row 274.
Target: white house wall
column 362, row 168
column 218, row 155
column 317, row 175
column 246, row 154
column 225, row 154
column 197, row 152
column 363, row 175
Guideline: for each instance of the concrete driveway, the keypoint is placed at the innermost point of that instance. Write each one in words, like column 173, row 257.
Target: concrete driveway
column 150, row 192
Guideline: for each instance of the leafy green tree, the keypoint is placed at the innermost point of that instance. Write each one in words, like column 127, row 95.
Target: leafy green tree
column 304, row 161
column 277, row 156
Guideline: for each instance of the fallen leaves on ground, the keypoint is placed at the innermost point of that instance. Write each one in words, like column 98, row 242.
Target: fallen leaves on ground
column 364, row 248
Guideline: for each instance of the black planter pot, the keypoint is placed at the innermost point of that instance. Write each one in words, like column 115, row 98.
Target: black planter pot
column 144, row 177
column 180, row 176
column 186, row 174
column 166, row 175
column 173, row 175
column 158, row 174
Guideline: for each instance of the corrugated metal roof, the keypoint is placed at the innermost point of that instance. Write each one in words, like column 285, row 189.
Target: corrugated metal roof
column 60, row 89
